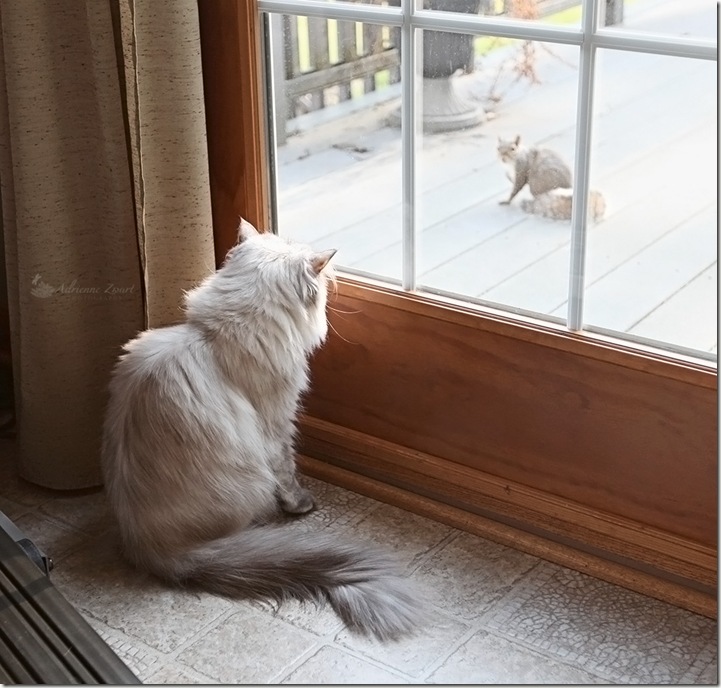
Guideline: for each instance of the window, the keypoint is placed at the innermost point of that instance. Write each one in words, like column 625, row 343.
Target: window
column 387, row 122
column 486, row 402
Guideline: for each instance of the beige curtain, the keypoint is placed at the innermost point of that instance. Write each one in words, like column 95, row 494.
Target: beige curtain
column 105, row 205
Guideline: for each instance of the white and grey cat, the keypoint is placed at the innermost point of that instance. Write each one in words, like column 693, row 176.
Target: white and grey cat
column 198, row 445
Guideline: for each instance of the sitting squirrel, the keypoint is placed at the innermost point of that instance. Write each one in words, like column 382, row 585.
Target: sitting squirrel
column 545, row 172
column 542, row 169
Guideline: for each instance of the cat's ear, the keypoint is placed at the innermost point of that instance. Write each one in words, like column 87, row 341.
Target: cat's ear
column 518, row 140
column 246, row 230
column 320, row 259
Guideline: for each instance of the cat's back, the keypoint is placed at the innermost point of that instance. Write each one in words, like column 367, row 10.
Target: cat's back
column 155, row 352
column 155, row 345
column 169, row 404
column 166, row 368
column 174, row 375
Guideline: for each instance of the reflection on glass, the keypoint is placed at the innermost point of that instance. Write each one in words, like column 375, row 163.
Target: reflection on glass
column 510, row 119
column 690, row 18
column 361, row 2
column 494, row 177
column 561, row 12
column 336, row 89
column 651, row 264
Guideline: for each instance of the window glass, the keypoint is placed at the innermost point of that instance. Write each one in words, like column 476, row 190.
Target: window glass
column 478, row 204
column 651, row 264
column 690, row 18
column 360, row 2
column 337, row 160
column 516, row 102
column 561, row 12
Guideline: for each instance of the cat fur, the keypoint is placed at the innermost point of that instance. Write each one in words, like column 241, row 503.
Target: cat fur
column 198, row 446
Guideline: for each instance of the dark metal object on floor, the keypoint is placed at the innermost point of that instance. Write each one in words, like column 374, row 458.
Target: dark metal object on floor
column 43, row 639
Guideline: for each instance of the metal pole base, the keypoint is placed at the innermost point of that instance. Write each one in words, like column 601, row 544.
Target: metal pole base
column 444, row 109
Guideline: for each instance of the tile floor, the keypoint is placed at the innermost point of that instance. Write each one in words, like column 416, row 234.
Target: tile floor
column 501, row 616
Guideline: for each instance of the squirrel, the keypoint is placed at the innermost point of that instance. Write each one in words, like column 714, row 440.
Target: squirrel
column 541, row 168
column 558, row 204
column 548, row 177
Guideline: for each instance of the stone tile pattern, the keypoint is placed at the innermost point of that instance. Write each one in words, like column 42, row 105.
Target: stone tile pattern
column 495, row 615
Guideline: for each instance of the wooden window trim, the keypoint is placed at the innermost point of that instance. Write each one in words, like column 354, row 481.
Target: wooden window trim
column 559, row 338
column 633, row 500
column 230, row 36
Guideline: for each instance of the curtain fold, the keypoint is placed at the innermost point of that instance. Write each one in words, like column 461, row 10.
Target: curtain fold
column 105, row 205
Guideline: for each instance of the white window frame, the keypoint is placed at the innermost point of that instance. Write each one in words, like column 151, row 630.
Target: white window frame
column 589, row 37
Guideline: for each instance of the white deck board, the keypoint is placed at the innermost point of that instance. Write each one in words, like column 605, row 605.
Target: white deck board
column 505, row 253
column 624, row 296
column 680, row 320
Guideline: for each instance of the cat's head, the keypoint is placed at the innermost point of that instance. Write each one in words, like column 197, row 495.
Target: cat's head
column 508, row 148
column 265, row 276
column 286, row 267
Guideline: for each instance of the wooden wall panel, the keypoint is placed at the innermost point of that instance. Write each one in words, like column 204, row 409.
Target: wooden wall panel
column 624, row 434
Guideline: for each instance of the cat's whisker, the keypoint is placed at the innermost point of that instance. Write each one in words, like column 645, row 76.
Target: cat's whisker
column 330, row 324
column 340, row 310
column 341, row 313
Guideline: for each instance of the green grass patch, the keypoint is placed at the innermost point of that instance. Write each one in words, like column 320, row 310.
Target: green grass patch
column 570, row 16
column 383, row 79
column 303, row 44
column 483, row 45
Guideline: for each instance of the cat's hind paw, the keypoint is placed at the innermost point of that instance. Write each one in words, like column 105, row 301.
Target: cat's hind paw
column 300, row 502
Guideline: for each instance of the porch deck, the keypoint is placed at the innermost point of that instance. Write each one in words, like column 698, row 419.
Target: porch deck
column 651, row 268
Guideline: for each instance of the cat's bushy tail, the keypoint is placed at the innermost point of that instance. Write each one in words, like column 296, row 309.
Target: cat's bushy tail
column 362, row 584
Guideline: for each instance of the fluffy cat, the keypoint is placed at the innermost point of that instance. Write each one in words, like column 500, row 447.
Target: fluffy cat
column 198, row 445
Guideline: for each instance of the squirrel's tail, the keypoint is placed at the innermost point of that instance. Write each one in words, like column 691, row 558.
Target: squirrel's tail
column 361, row 584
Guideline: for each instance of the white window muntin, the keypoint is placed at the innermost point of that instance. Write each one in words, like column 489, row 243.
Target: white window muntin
column 589, row 37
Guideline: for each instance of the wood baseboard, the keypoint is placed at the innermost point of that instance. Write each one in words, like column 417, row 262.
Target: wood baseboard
column 650, row 561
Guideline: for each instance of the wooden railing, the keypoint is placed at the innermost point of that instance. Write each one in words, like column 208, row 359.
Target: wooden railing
column 318, row 62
